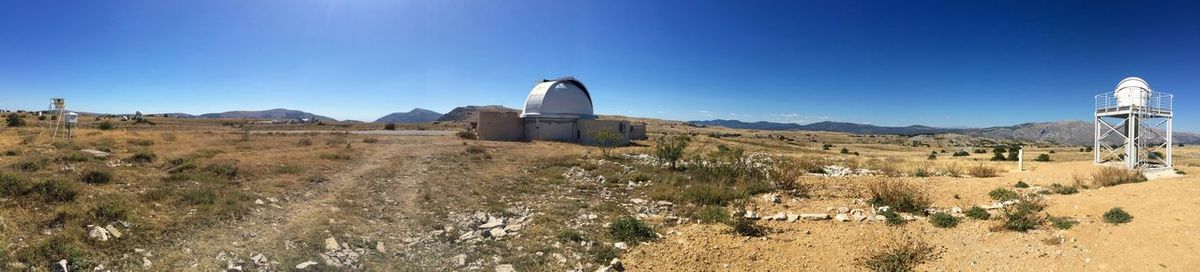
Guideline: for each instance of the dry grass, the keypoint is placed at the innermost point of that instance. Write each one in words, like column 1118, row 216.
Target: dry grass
column 983, row 171
column 1112, row 176
column 899, row 195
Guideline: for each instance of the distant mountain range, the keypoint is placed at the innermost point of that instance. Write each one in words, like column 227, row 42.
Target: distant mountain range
column 417, row 115
column 1062, row 132
column 268, row 114
column 470, row 112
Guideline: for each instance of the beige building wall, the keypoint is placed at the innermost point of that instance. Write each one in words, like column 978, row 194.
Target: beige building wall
column 551, row 129
column 622, row 128
column 500, row 126
column 637, row 132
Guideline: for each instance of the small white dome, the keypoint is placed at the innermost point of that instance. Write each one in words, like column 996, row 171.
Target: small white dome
column 1132, row 91
column 559, row 98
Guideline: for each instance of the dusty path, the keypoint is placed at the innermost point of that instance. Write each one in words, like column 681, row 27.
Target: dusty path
column 293, row 228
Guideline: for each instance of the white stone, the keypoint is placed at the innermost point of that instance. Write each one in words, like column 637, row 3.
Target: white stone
column 883, row 208
column 112, row 230
column 146, row 262
column 778, row 216
column 95, row 153
column 880, row 218
column 492, row 223
column 99, row 234
column 638, row 201
column 259, row 202
column 843, row 210
column 331, row 244
column 664, row 203
column 771, row 198
column 841, row 217
column 750, row 215
column 814, row 216
column 505, row 268
column 497, row 232
column 791, row 217
column 858, row 217
column 460, row 260
column 621, row 245
column 956, row 210
column 379, row 247
column 305, row 265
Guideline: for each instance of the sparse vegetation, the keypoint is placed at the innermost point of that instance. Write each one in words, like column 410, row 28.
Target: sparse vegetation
column 606, row 139
column 1043, row 158
column 96, row 177
column 904, row 254
column 14, row 120
column 143, row 156
column 899, row 195
column 1063, row 189
column 467, row 135
column 983, row 171
column 1112, row 176
column 631, row 230
column 389, row 126
column 1001, row 194
column 105, row 125
column 1062, row 223
column 978, row 213
column 669, row 148
column 1117, row 216
column 746, row 227
column 943, row 220
column 1021, row 184
column 1024, row 215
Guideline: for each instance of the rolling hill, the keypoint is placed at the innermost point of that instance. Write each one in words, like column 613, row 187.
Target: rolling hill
column 268, row 114
column 470, row 112
column 417, row 115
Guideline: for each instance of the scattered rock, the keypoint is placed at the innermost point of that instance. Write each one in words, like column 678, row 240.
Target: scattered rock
column 259, row 202
column 60, row 266
column 664, row 203
column 331, row 244
column 460, row 260
column 99, row 234
column 492, row 222
column 771, row 198
column 621, row 245
column 858, row 217
column 505, row 268
column 791, row 217
column 95, row 153
column 956, row 210
column 814, row 216
column 306, row 265
column 113, row 231
column 778, row 217
column 497, row 232
column 750, row 215
column 379, row 247
column 146, row 262
column 841, row 217
column 882, row 208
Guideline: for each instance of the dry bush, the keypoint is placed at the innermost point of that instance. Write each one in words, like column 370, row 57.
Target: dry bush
column 983, row 171
column 468, row 135
column 168, row 137
column 899, row 195
column 905, row 253
column 952, row 170
column 1112, row 176
column 787, row 173
column 370, row 140
column 475, row 149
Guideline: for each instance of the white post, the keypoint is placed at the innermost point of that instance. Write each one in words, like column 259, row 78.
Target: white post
column 1021, row 160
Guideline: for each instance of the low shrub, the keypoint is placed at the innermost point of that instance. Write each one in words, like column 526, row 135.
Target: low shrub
column 389, row 126
column 12, row 152
column 1024, row 215
column 746, row 227
column 1112, row 176
column 225, row 170
column 570, row 236
column 904, row 254
column 892, row 217
column 110, row 210
column 983, row 171
column 1021, row 184
column 13, row 185
column 304, row 142
column 475, row 149
column 631, row 230
column 712, row 214
column 144, row 156
column 943, row 220
column 962, row 153
column 140, row 142
column 979, row 213
column 1001, row 194
column 106, row 125
column 1043, row 158
column 96, row 177
column 1117, row 216
column 708, row 194
column 899, row 195
column 14, row 120
column 55, row 190
column 167, row 137
column 334, row 156
column 469, row 135
column 30, row 164
column 1062, row 223
column 317, row 179
column 1063, row 189
column 200, row 197
column 999, row 157
column 370, row 140
column 72, row 157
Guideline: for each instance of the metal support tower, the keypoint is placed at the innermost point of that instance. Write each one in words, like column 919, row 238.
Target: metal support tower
column 1135, row 130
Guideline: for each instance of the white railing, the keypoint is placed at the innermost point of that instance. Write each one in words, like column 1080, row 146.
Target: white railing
column 1155, row 101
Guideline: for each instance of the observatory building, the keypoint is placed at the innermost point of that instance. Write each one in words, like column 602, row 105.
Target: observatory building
column 555, row 110
column 1133, row 126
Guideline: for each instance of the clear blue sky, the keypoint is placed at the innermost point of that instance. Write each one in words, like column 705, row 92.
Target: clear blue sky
column 942, row 63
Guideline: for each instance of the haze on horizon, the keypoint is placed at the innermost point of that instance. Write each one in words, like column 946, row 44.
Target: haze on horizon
column 936, row 63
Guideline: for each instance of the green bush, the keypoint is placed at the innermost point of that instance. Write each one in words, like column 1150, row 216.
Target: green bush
column 1043, row 158
column 1001, row 194
column 226, row 170
column 389, row 126
column 845, row 151
column 200, row 197
column 943, row 220
column 892, row 217
column 998, row 157
column 1117, row 216
column 57, row 190
column 978, row 213
column 144, row 156
column 14, row 120
column 669, row 148
column 903, row 255
column 631, row 230
column 1024, row 215
column 30, row 164
column 961, row 153
column 106, row 125
column 110, row 210
column 96, row 177
column 709, row 195
column 1021, row 184
column 13, row 185
column 1062, row 222
column 72, row 157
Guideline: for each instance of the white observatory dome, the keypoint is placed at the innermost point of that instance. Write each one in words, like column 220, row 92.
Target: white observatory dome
column 1132, row 91
column 559, row 98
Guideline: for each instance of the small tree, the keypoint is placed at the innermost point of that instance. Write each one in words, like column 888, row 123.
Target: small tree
column 845, row 151
column 389, row 126
column 606, row 139
column 1043, row 158
column 15, row 120
column 669, row 148
column 1014, row 154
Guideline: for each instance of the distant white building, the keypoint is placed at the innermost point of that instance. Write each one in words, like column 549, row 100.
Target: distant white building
column 555, row 110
